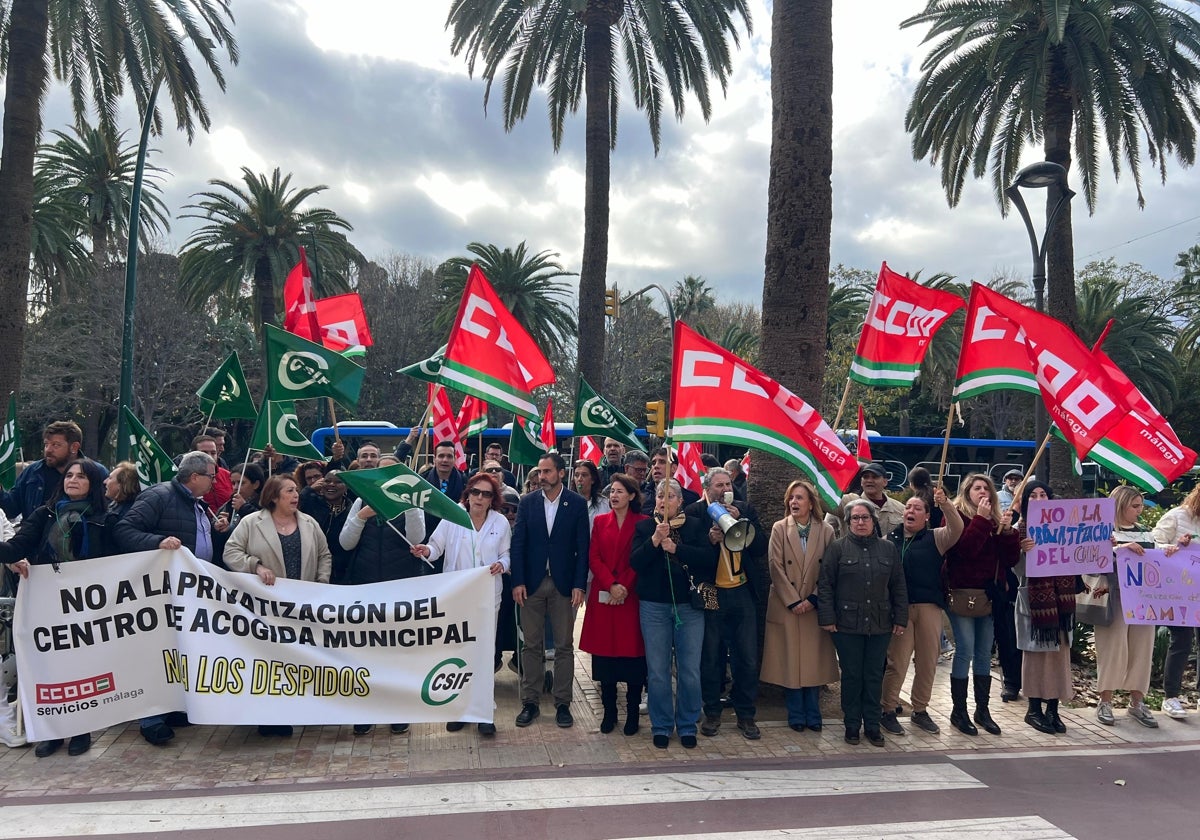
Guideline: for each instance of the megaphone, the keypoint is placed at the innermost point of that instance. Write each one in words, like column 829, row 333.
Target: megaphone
column 739, row 533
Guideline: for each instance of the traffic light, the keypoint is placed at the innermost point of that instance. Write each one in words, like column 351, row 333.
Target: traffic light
column 612, row 303
column 656, row 417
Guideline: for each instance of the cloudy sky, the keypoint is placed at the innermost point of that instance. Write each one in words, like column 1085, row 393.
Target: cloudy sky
column 364, row 96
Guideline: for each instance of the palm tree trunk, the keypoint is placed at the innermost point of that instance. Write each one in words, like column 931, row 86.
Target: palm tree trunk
column 1060, row 245
column 24, row 86
column 799, row 217
column 597, row 151
column 264, row 293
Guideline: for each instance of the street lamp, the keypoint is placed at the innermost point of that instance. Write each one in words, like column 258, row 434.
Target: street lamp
column 1041, row 175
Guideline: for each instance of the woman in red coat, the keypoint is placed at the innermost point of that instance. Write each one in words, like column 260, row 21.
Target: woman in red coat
column 611, row 630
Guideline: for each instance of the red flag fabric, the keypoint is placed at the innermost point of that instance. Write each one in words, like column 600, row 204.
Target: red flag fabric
column 490, row 354
column 548, row 435
column 901, row 321
column 1080, row 396
column 1142, row 446
column 689, row 468
column 716, row 396
column 993, row 355
column 343, row 322
column 589, row 451
column 472, row 410
column 299, row 302
column 746, row 465
column 444, row 428
column 864, row 446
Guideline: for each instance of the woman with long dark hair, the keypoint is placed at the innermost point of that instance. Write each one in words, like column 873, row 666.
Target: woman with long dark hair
column 588, row 485
column 71, row 526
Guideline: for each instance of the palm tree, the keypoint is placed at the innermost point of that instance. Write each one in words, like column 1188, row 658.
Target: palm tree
column 799, row 214
column 92, row 171
column 99, row 47
column 1001, row 75
column 253, row 237
column 669, row 46
column 527, row 284
column 58, row 259
column 691, row 298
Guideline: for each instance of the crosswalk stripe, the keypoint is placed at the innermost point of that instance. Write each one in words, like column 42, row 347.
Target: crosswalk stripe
column 992, row 828
column 130, row 816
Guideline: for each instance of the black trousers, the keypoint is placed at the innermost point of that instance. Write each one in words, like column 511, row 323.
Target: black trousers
column 1004, row 625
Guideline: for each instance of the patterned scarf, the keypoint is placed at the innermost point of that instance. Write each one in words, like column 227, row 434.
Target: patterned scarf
column 68, row 516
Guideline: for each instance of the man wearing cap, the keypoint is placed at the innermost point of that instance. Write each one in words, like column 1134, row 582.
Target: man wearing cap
column 1012, row 478
column 873, row 479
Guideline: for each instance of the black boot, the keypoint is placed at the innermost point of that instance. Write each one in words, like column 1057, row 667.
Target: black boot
column 959, row 718
column 633, row 699
column 608, row 697
column 1036, row 719
column 983, row 691
column 1053, row 719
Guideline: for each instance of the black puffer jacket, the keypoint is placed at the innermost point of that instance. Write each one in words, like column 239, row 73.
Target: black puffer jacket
column 30, row 541
column 164, row 510
column 861, row 588
column 380, row 554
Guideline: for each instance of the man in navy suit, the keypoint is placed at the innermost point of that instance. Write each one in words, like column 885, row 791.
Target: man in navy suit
column 549, row 557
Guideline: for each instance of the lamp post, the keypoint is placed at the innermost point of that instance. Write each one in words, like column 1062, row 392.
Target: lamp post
column 1036, row 176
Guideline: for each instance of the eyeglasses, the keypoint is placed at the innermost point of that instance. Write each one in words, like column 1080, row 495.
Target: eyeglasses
column 865, row 518
column 494, row 470
column 211, row 476
column 475, row 491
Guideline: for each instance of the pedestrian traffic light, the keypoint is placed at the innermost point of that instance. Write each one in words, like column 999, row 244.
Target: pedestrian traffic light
column 656, row 417
column 612, row 303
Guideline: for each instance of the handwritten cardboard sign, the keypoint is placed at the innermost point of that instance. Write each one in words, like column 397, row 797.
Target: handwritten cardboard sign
column 1157, row 589
column 1072, row 536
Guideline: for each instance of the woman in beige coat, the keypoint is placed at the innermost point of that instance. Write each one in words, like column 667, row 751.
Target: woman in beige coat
column 279, row 541
column 797, row 654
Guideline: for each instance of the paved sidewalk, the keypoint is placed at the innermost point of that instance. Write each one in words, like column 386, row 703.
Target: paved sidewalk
column 206, row 757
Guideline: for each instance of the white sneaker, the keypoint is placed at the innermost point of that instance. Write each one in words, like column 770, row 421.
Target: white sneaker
column 1173, row 706
column 1104, row 713
column 1141, row 713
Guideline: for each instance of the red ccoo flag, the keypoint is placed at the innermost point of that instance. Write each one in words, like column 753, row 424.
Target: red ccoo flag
column 299, row 302
column 589, row 451
column 864, row 447
column 690, row 467
column 343, row 324
column 548, row 436
column 443, row 424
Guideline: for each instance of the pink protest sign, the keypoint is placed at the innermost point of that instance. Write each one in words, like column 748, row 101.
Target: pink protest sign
column 1072, row 536
column 1157, row 589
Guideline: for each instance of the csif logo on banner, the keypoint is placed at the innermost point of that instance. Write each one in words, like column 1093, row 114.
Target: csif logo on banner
column 283, row 430
column 417, row 498
column 597, row 415
column 445, row 682
column 299, row 369
column 8, row 440
column 231, row 390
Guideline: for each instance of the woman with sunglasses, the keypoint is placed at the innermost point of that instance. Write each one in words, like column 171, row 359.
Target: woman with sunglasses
column 485, row 545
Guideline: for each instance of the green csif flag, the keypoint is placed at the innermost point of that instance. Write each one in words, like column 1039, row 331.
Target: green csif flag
column 392, row 490
column 225, row 395
column 427, row 370
column 10, row 452
column 277, row 426
column 595, row 415
column 154, row 465
column 525, row 446
column 298, row 369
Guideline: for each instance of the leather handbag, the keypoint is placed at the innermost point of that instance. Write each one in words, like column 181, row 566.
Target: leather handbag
column 703, row 595
column 970, row 603
column 1096, row 610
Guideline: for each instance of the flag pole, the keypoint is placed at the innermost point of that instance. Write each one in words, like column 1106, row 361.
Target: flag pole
column 945, row 443
column 424, row 419
column 842, row 408
column 333, row 420
column 1037, row 456
column 208, row 420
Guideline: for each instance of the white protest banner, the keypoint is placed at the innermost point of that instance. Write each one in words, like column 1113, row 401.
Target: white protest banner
column 118, row 638
column 1073, row 537
column 1157, row 589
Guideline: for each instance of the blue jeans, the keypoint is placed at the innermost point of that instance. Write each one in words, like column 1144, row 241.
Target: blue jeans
column 665, row 637
column 735, row 623
column 972, row 645
column 803, row 705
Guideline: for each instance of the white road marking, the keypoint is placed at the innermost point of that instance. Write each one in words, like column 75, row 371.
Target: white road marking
column 239, row 810
column 1095, row 752
column 992, row 828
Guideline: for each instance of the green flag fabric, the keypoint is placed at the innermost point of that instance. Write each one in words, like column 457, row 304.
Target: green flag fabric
column 392, row 490
column 10, row 453
column 278, row 427
column 154, row 465
column 225, row 395
column 427, row 370
column 595, row 415
column 525, row 446
column 298, row 369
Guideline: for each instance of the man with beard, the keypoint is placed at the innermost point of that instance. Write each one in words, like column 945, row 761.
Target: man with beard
column 41, row 480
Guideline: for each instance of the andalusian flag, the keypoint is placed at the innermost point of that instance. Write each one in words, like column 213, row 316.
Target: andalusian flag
column 298, row 369
column 595, row 415
column 392, row 490
column 10, row 452
column 225, row 395
column 278, row 427
column 154, row 465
